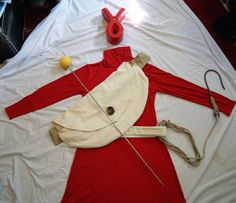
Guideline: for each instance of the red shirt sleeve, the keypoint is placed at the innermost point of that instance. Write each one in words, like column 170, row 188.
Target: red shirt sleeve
column 53, row 92
column 167, row 83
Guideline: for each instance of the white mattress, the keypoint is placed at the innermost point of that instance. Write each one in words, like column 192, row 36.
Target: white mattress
column 32, row 169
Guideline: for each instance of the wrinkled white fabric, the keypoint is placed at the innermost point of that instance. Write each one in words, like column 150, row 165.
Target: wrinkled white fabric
column 32, row 169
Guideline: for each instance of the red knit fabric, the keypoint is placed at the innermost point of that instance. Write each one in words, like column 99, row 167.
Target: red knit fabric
column 114, row 173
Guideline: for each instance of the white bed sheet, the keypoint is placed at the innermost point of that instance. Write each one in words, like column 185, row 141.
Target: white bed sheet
column 32, row 169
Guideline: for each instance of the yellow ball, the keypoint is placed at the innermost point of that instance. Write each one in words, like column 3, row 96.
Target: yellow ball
column 65, row 62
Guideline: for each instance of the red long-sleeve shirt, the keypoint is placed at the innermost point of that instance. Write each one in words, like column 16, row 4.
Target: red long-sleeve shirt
column 114, row 173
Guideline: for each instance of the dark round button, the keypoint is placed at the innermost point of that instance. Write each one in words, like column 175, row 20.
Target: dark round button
column 110, row 110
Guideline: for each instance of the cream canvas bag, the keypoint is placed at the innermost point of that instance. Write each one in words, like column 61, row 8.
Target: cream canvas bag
column 123, row 96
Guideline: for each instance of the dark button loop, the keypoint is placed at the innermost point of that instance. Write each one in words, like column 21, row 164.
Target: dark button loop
column 110, row 110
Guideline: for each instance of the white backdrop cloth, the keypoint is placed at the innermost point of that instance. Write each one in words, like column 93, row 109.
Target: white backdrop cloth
column 32, row 169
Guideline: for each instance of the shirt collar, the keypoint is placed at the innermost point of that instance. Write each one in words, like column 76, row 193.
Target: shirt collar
column 114, row 57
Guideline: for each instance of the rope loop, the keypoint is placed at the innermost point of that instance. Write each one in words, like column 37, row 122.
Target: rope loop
column 194, row 161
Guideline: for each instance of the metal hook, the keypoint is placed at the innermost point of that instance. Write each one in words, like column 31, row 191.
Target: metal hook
column 213, row 102
column 205, row 74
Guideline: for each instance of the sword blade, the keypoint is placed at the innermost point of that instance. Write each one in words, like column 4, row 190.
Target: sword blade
column 122, row 135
